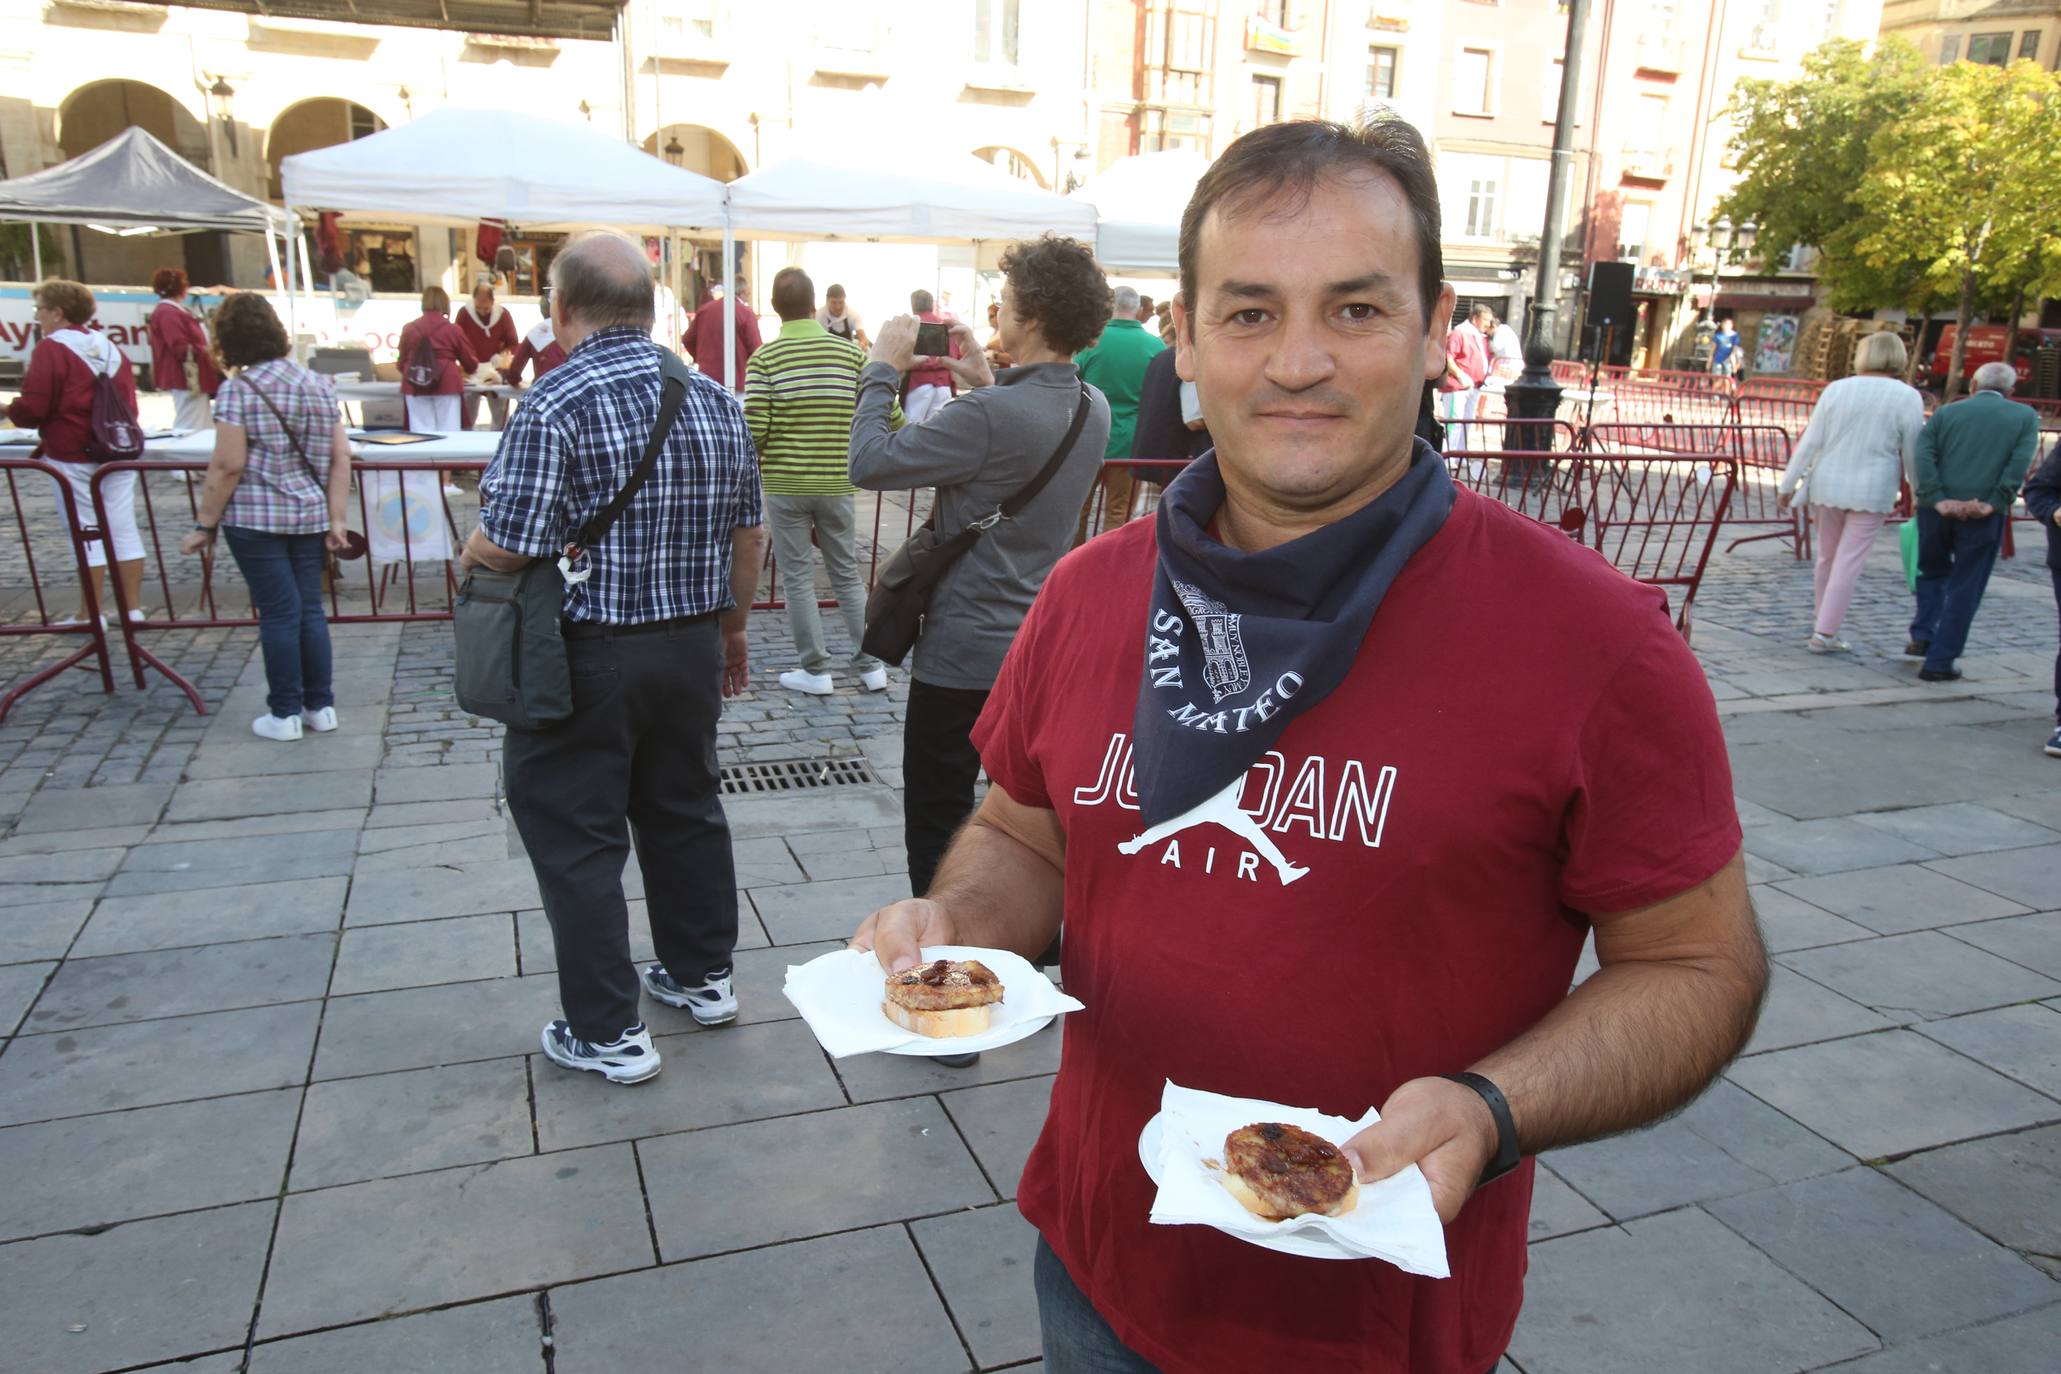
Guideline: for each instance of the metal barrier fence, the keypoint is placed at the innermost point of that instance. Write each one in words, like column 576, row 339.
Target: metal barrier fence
column 47, row 545
column 1762, row 452
column 404, row 507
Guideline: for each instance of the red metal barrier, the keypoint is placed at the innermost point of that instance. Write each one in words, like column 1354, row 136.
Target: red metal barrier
column 412, row 528
column 33, row 521
column 1762, row 452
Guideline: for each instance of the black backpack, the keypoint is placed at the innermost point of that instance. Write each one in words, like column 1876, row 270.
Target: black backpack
column 423, row 368
column 117, row 435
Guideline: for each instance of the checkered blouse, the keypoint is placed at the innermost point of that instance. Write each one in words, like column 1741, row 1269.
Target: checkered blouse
column 281, row 492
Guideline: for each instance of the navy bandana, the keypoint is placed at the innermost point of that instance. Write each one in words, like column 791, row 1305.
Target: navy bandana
column 1237, row 644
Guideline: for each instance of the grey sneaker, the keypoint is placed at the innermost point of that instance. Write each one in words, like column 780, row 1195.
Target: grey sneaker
column 629, row 1058
column 710, row 1002
column 2054, row 743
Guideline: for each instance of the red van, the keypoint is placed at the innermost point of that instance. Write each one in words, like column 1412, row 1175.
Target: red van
column 1986, row 345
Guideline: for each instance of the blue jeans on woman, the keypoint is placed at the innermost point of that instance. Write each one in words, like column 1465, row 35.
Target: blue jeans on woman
column 285, row 576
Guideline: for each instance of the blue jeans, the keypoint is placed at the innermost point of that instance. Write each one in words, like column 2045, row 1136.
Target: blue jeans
column 285, row 576
column 1954, row 562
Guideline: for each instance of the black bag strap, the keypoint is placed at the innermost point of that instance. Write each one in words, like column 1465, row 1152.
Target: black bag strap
column 674, row 393
column 1028, row 493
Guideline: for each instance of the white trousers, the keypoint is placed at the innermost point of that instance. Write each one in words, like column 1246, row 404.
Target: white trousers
column 119, row 491
column 923, row 402
column 436, row 414
column 195, row 411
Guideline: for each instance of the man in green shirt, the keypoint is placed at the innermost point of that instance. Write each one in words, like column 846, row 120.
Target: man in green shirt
column 1115, row 365
column 1972, row 458
column 800, row 390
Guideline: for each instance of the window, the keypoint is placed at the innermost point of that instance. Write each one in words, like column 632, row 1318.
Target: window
column 2029, row 44
column 1949, row 48
column 1556, row 77
column 1472, row 74
column 1266, row 101
column 1381, row 73
column 1993, row 49
column 1632, row 224
column 994, row 32
column 1660, row 19
column 364, row 123
column 1481, row 207
column 1161, row 130
column 1275, row 12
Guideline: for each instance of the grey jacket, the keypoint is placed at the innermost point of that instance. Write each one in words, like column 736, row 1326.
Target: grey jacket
column 977, row 451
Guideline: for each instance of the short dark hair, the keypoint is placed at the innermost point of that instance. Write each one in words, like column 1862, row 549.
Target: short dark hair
column 604, row 280
column 1275, row 168
column 834, row 289
column 1056, row 284
column 248, row 331
column 794, row 295
column 68, row 298
column 1481, row 308
column 168, row 281
column 920, row 301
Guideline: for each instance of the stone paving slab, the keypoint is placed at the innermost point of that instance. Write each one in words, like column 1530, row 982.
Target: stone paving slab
column 1832, row 845
column 504, row 1336
column 864, row 1296
column 405, row 1244
column 64, row 841
column 200, row 916
column 2032, row 942
column 40, row 930
column 735, row 1187
column 20, row 986
column 1725, row 1307
column 416, row 1028
column 356, row 1129
column 457, row 949
column 1920, row 976
column 1788, row 922
column 2008, row 1186
column 1890, row 1094
column 421, row 894
column 1992, row 1348
column 875, row 1077
column 178, row 866
column 827, row 910
column 243, row 755
column 93, row 1170
column 2023, row 875
column 137, row 803
column 1001, row 1122
column 1899, row 899
column 150, row 1290
column 244, row 827
column 182, row 982
column 982, row 1261
column 1960, row 828
column 452, row 782
column 2021, row 1042
column 1902, row 1266
column 237, row 798
column 1797, row 1011
column 1557, row 1209
column 72, row 1073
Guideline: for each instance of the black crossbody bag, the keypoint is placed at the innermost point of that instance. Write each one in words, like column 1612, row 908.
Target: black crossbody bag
column 900, row 600
column 512, row 665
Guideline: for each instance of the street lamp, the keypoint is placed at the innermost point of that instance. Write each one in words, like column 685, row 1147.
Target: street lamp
column 223, row 92
column 674, row 150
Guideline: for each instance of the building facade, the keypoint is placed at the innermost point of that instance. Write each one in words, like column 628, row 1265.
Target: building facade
column 1994, row 31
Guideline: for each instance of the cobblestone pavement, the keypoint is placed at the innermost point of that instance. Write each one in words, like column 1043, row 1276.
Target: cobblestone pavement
column 268, row 1099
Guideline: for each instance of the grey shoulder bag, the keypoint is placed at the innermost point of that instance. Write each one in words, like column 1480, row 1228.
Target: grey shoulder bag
column 512, row 664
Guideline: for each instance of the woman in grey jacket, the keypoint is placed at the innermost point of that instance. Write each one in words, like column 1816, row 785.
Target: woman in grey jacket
column 978, row 450
column 1862, row 441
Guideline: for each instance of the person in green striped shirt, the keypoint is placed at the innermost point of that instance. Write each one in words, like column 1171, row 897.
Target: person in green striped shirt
column 799, row 392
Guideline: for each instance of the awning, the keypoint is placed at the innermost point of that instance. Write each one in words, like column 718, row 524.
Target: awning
column 132, row 181
column 593, row 19
column 867, row 198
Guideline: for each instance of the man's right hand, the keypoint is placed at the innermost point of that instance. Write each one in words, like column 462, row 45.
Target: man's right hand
column 736, row 662
column 897, row 934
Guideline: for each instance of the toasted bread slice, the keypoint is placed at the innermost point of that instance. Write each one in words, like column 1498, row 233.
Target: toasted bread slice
column 941, row 1025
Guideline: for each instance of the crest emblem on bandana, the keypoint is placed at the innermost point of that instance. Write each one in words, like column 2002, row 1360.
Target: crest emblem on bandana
column 1224, row 665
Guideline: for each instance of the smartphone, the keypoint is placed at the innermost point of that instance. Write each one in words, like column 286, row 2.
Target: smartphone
column 933, row 340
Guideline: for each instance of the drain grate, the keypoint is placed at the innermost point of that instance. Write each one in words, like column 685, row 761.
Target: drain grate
column 794, row 775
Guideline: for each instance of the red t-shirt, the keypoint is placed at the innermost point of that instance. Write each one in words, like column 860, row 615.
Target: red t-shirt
column 1523, row 738
column 455, row 359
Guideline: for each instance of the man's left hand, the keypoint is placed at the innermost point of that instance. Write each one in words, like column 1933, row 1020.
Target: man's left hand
column 896, row 345
column 736, row 662
column 1442, row 1127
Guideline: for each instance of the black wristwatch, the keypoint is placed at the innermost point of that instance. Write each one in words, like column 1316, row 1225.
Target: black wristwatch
column 1507, row 1152
column 208, row 530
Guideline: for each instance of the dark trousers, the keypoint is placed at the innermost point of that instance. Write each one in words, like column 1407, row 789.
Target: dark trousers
column 2056, row 572
column 284, row 572
column 1954, row 562
column 939, row 767
column 640, row 747
column 1076, row 1339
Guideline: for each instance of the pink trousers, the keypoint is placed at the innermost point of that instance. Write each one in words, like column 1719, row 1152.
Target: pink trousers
column 1844, row 538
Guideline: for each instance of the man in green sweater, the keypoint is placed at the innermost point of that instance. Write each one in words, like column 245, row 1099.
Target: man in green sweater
column 800, row 390
column 1115, row 365
column 1972, row 458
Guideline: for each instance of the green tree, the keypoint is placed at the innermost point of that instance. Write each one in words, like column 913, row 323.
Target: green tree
column 1964, row 186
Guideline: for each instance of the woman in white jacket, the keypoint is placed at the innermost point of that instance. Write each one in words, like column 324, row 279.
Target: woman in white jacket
column 1861, row 442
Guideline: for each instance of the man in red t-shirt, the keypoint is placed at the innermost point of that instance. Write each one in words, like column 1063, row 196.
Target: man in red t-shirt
column 1330, row 768
column 704, row 337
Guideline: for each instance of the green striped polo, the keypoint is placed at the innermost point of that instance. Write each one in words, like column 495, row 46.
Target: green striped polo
column 800, row 388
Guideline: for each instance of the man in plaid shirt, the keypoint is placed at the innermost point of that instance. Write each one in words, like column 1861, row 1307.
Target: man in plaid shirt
column 655, row 630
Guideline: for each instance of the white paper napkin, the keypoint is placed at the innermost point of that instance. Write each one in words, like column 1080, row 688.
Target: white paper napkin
column 839, row 995
column 1394, row 1221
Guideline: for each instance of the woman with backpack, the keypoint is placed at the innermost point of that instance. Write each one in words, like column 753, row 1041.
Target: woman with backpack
column 279, row 489
column 81, row 393
column 435, row 361
column 179, row 361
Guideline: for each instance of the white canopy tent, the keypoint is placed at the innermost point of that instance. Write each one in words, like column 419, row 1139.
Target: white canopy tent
column 1138, row 204
column 952, row 200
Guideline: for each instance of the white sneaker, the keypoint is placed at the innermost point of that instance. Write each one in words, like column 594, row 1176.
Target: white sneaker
column 629, row 1058
column 801, row 680
column 277, row 727
column 874, row 679
column 1827, row 644
column 321, row 721
column 138, row 616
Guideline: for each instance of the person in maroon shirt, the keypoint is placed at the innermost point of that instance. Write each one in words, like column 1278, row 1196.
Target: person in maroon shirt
column 704, row 337
column 177, row 337
column 1244, row 751
column 490, row 330
column 539, row 346
column 435, row 408
column 930, row 385
column 57, row 399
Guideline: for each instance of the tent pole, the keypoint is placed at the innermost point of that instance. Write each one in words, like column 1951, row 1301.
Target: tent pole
column 292, row 325
column 729, row 280
column 36, row 250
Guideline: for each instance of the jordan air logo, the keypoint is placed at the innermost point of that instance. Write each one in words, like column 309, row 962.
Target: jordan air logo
column 1222, row 809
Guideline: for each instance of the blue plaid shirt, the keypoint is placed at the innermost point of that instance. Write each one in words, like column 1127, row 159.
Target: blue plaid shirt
column 574, row 441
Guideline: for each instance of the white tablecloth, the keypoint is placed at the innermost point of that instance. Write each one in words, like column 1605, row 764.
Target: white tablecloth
column 391, row 391
column 470, row 445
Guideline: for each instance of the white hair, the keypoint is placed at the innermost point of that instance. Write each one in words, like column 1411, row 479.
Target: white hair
column 1997, row 377
column 1125, row 301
